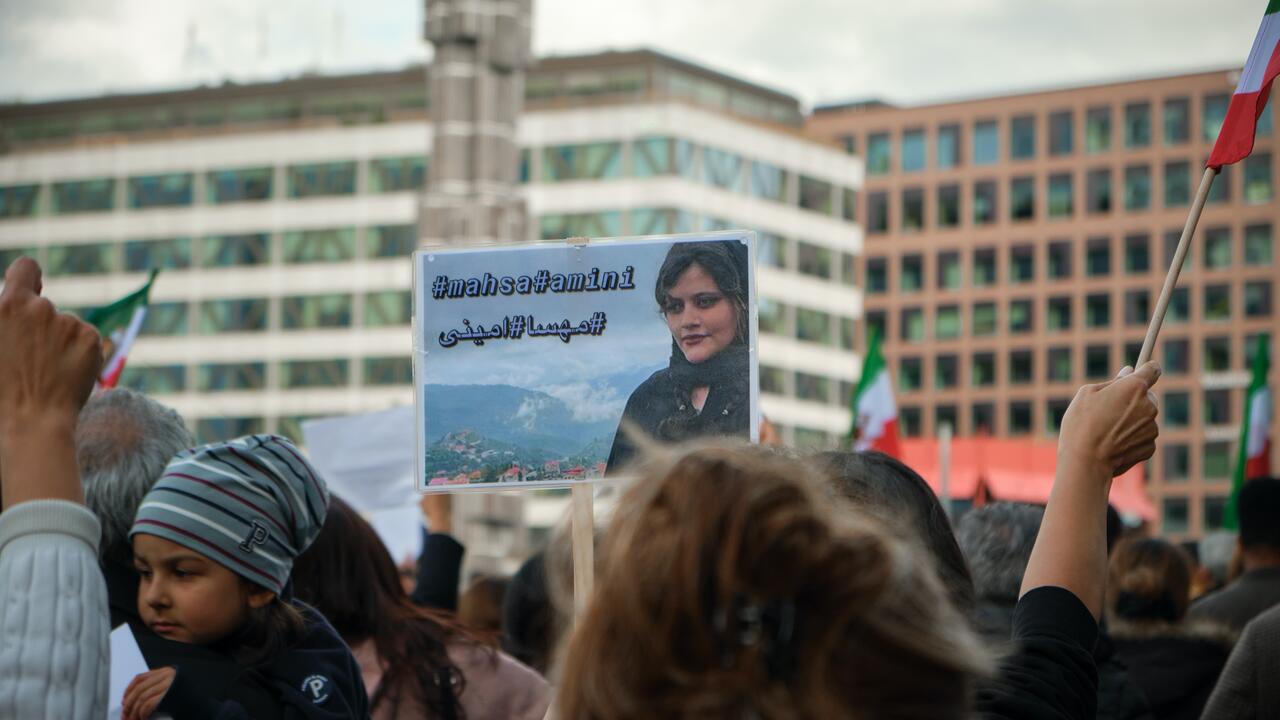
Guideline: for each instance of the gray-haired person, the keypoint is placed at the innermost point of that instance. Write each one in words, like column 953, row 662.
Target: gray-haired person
column 997, row 541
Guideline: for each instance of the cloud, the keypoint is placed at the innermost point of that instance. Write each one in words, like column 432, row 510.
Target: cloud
column 588, row 402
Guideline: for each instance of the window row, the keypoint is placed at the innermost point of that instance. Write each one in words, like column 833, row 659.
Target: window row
column 249, row 376
column 1058, row 133
column 1175, row 513
column 384, row 308
column 806, row 324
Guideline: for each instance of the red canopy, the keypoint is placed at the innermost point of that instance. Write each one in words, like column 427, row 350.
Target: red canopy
column 985, row 469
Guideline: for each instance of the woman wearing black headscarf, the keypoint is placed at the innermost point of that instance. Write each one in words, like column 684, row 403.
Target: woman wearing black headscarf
column 702, row 293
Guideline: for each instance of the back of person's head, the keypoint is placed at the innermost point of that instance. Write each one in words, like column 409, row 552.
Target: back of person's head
column 1149, row 581
column 124, row 440
column 729, row 589
column 1259, row 513
column 529, row 618
column 480, row 605
column 348, row 575
column 889, row 490
column 997, row 540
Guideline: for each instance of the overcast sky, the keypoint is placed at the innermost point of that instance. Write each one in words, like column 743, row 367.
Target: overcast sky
column 909, row 51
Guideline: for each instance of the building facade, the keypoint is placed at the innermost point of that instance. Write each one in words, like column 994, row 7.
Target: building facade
column 1015, row 247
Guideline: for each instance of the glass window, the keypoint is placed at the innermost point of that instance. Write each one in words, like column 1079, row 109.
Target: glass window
column 772, row 380
column 1021, row 316
column 772, row 249
column 1217, row 354
column 1217, row 407
column 813, row 260
column 94, row 259
column 984, row 318
column 772, row 316
column 913, row 150
column 1177, row 462
column 769, row 182
column 229, row 250
column 1217, row 303
column 912, row 327
column 912, row 209
column 1215, row 513
column 813, row 387
column 1019, row 417
column 1098, row 257
column 588, row 161
column 313, row 373
column 950, row 271
column 1022, row 137
column 879, row 153
column 722, row 169
column 398, row 241
column 655, row 156
column 1137, row 307
column 877, row 212
column 984, row 267
column 1174, row 515
column 165, row 318
column 1021, row 367
column 155, row 379
column 83, row 196
column 1265, row 122
column 1137, row 125
column 1022, row 263
column 1137, row 254
column 1177, row 183
column 1177, row 125
column 1058, row 313
column 1217, row 248
column 321, row 179
column 1220, row 191
column 1097, row 310
column 1061, row 200
column 215, row 429
column 1177, row 357
column 1213, row 113
column 983, row 367
column 224, row 377
column 1022, row 198
column 1098, row 190
column 1059, row 260
column 1257, row 245
column 949, row 324
column 1171, row 238
column 1137, row 187
column 948, row 146
column 849, row 204
column 984, row 417
column 909, row 421
column 1097, row 129
column 986, row 143
column 815, row 195
column 813, row 326
column 984, row 202
column 1217, row 460
column 1061, row 133
column 946, row 373
column 387, row 307
column 315, row 311
column 239, row 185
column 910, row 374
column 162, row 254
column 160, row 191
column 1175, row 412
column 654, row 221
column 1055, row 408
column 397, row 174
column 912, row 277
column 877, row 281
column 1097, row 362
column 1179, row 310
column 242, row 315
column 1257, row 299
column 1059, row 364
column 328, row 245
column 948, row 206
column 877, row 323
column 19, row 201
column 1257, row 178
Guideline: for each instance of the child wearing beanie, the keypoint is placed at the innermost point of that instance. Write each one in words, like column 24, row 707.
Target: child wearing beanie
column 214, row 542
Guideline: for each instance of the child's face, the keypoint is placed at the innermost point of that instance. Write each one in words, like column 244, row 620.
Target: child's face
column 185, row 596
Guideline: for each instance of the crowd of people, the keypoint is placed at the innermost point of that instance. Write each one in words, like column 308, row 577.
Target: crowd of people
column 733, row 581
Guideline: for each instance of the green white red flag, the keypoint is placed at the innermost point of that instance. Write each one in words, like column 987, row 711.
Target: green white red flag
column 1253, row 457
column 875, row 411
column 119, row 324
column 1235, row 140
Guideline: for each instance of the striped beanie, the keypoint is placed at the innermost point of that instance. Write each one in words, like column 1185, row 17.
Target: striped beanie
column 252, row 504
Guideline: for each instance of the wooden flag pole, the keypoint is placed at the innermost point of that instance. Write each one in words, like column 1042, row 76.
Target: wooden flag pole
column 1171, row 280
column 584, row 550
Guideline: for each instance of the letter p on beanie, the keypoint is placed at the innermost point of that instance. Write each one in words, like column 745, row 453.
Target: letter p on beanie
column 252, row 504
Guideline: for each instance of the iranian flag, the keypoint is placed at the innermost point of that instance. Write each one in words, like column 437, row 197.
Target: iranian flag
column 119, row 324
column 1235, row 140
column 875, row 412
column 1254, row 454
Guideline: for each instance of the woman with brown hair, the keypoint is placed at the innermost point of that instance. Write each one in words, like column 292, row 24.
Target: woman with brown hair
column 416, row 662
column 1175, row 662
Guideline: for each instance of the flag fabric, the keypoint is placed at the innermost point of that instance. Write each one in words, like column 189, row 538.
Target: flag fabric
column 1253, row 457
column 1235, row 139
column 119, row 324
column 875, row 411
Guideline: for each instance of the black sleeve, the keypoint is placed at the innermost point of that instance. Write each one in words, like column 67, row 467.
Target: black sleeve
column 1052, row 672
column 439, row 567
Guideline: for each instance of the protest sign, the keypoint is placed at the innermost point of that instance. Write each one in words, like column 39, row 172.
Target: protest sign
column 528, row 358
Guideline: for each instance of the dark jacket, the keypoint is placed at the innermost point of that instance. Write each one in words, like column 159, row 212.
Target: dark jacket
column 1252, row 594
column 727, row 411
column 1175, row 665
column 1249, row 687
column 1119, row 697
